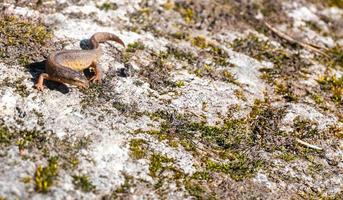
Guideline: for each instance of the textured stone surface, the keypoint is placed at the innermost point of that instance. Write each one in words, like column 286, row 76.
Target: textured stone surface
column 150, row 132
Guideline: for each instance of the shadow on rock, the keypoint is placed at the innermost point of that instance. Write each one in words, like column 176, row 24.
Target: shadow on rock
column 37, row 68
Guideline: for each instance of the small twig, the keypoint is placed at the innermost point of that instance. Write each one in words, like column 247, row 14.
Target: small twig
column 311, row 47
column 309, row 145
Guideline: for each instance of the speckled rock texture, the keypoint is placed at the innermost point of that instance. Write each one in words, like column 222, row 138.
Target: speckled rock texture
column 204, row 102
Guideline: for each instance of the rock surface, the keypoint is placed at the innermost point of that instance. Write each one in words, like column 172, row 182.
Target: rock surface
column 204, row 102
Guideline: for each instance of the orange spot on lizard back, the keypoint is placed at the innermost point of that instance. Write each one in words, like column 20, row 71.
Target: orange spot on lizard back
column 75, row 65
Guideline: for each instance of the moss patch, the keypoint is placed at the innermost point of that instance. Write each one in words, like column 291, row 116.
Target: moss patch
column 158, row 163
column 23, row 139
column 334, row 86
column 337, row 3
column 138, row 148
column 22, row 41
column 157, row 73
column 235, row 136
column 128, row 183
column 133, row 47
column 239, row 168
column 108, row 6
column 336, row 54
column 82, row 182
column 45, row 176
column 287, row 70
column 36, row 145
column 187, row 13
column 5, row 136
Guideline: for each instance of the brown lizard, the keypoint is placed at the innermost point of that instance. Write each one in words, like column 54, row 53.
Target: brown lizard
column 67, row 66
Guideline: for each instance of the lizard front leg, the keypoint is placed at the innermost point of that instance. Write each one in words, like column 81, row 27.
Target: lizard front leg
column 97, row 76
column 40, row 83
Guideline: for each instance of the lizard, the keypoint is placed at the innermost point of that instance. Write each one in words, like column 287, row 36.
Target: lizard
column 67, row 66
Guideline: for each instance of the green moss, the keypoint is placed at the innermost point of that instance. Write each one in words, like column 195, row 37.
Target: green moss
column 231, row 149
column 125, row 187
column 74, row 161
column 288, row 67
column 158, row 134
column 181, row 55
column 157, row 73
column 108, row 6
column 233, row 137
column 22, row 41
column 334, row 57
column 271, row 9
column 188, row 145
column 138, row 148
column 23, row 139
column 239, row 168
column 220, row 56
column 336, row 131
column 263, row 50
column 45, row 176
column 234, row 133
column 120, row 106
column 92, row 94
column 5, row 136
column 28, row 139
column 145, row 20
column 287, row 156
column 194, row 189
column 229, row 77
column 180, row 35
column 20, row 88
column 200, row 42
column 186, row 12
column 318, row 98
column 133, row 47
column 240, row 95
column 283, row 89
column 210, row 71
column 158, row 164
column 314, row 26
column 179, row 83
column 169, row 5
column 304, row 128
column 26, row 179
column 334, row 86
column 201, row 175
column 337, row 3
column 83, row 183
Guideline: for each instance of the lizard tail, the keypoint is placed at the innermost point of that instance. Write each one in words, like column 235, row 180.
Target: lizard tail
column 103, row 37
